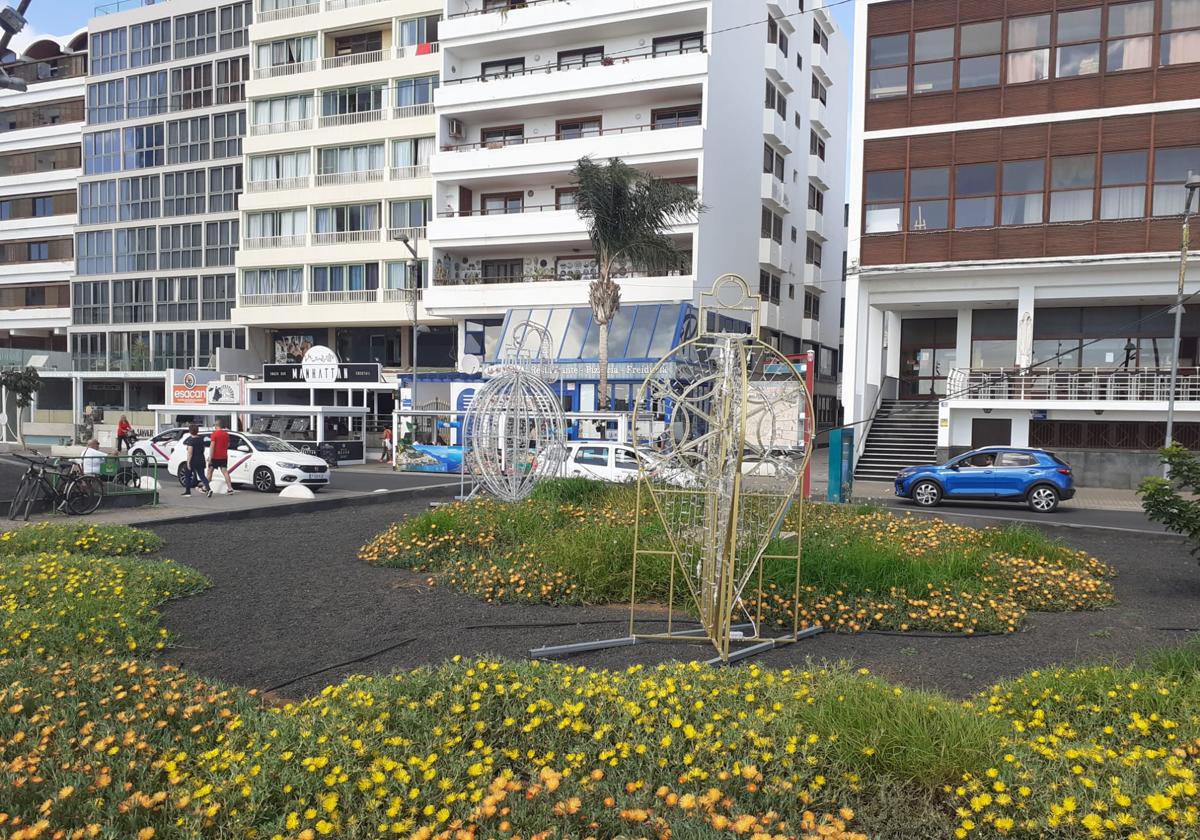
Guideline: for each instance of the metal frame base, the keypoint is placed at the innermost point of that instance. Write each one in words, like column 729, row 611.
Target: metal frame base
column 756, row 644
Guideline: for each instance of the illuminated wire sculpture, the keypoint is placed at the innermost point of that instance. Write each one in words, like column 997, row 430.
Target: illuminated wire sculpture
column 737, row 441
column 514, row 432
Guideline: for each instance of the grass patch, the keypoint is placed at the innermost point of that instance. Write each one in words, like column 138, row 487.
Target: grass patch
column 81, row 538
column 572, row 542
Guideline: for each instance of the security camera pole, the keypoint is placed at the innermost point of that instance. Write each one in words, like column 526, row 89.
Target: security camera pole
column 12, row 21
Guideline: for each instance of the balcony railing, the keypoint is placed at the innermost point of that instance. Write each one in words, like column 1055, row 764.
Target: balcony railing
column 404, row 112
column 352, row 118
column 286, row 13
column 263, row 242
column 557, row 136
column 400, row 295
column 128, row 361
column 1071, row 384
column 271, row 299
column 418, row 49
column 338, row 5
column 298, row 183
column 62, row 67
column 404, row 173
column 342, row 296
column 606, row 61
column 288, row 127
column 353, row 59
column 547, row 276
column 289, row 69
column 525, row 208
column 517, row 4
column 365, row 176
column 345, row 237
column 412, row 234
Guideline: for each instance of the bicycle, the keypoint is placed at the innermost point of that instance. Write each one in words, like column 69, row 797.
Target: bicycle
column 62, row 486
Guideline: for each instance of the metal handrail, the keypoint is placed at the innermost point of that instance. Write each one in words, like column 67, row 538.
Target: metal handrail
column 606, row 61
column 1071, row 384
column 525, row 208
column 518, row 5
column 557, row 136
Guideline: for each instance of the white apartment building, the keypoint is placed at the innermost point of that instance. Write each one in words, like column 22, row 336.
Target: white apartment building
column 39, row 168
column 334, row 218
column 158, row 223
column 674, row 88
column 1016, row 202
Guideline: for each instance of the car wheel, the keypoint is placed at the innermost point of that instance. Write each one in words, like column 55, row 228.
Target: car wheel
column 264, row 480
column 1043, row 499
column 182, row 475
column 927, row 494
column 139, row 458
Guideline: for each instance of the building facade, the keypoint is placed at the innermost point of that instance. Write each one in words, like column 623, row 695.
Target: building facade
column 158, row 223
column 671, row 87
column 1017, row 189
column 39, row 170
column 334, row 219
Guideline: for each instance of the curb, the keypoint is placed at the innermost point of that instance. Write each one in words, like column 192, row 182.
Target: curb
column 317, row 504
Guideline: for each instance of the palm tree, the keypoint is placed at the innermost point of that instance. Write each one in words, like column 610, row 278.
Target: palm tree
column 628, row 214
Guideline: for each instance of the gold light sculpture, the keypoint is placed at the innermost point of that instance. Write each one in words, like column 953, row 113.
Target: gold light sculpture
column 713, row 501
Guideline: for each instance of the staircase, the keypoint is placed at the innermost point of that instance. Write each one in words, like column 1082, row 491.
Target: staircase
column 904, row 434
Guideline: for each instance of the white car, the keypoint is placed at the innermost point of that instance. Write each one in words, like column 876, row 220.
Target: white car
column 601, row 461
column 263, row 461
column 156, row 450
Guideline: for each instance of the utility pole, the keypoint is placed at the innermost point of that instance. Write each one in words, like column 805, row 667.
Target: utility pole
column 1192, row 185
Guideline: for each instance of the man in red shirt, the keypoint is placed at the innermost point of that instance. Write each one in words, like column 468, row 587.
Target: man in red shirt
column 218, row 455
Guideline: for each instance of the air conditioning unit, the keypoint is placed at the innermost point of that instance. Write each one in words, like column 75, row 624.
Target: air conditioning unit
column 456, row 129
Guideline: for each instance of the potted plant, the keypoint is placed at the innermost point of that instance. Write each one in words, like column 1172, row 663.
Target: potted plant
column 606, row 61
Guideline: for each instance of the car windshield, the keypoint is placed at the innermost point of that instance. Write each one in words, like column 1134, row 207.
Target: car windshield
column 264, row 443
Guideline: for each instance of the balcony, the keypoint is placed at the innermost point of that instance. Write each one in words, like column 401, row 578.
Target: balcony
column 405, row 173
column 777, row 66
column 265, row 242
column 267, row 16
column 466, row 18
column 61, row 67
column 340, row 5
column 346, row 237
column 770, row 253
column 344, row 296
column 818, row 113
column 368, row 299
column 474, row 296
column 405, row 112
column 353, row 59
column 302, row 182
column 775, row 128
column 288, row 127
column 351, row 118
column 418, row 49
column 533, row 223
column 412, row 234
column 272, row 299
column 538, row 84
column 290, row 69
column 814, row 223
column 1071, row 385
column 775, row 194
column 365, row 176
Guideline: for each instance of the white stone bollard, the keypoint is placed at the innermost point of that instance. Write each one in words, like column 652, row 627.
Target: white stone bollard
column 296, row 491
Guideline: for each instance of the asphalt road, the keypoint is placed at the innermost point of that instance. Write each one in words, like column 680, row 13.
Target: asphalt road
column 1068, row 515
column 367, row 479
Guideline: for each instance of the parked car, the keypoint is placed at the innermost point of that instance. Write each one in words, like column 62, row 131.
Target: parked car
column 1036, row 477
column 263, row 461
column 600, row 460
column 157, row 449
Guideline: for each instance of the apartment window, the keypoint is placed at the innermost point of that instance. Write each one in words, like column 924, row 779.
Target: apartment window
column 577, row 127
column 782, row 43
column 816, row 144
column 231, row 79
column 975, row 196
column 979, row 51
column 884, row 200
column 224, row 185
column 1072, row 188
column 352, row 100
column 820, row 38
column 136, row 249
column 502, row 271
column 1028, row 56
column 1078, row 43
column 1172, row 168
column 345, row 278
column 818, row 90
column 288, row 52
column 196, row 34
column 93, row 252
column 416, row 91
column 101, row 153
column 502, row 135
column 284, row 109
column 217, row 294
column 501, row 203
column 89, row 302
column 812, row 253
column 1182, row 45
column 795, row 235
column 812, row 310
column 191, row 87
column 933, row 64
column 228, row 131
column 768, row 287
column 147, row 94
column 174, row 349
column 275, row 223
column 211, row 340
column 140, row 198
column 585, row 57
column 1023, row 183
column 221, row 242
column 37, row 251
column 417, row 31
column 105, row 102
column 772, row 226
column 181, row 246
column 411, row 213
column 359, row 43
column 887, row 62
column 97, row 203
column 564, row 198
column 347, row 218
column 681, row 116
column 143, row 146
column 776, row 100
column 107, row 53
column 367, row 157
column 412, row 151
column 503, row 68
column 816, row 198
column 279, row 166
column 232, row 22
column 679, row 44
column 273, row 281
column 36, row 116
column 187, row 140
column 177, row 298
column 149, row 43
column 184, row 193
column 773, row 162
column 42, row 160
column 406, row 275
column 929, row 193
column 1130, row 40
column 1123, row 185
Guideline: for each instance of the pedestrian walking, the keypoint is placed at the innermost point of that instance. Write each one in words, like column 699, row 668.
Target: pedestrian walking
column 387, row 446
column 195, row 462
column 124, row 431
column 218, row 456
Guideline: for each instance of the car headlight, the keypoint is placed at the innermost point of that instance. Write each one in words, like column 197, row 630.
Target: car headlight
column 288, row 466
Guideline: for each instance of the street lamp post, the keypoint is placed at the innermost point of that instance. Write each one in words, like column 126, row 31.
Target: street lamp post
column 1192, row 185
column 413, row 300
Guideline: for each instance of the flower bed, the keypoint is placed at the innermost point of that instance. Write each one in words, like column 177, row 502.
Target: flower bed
column 572, row 542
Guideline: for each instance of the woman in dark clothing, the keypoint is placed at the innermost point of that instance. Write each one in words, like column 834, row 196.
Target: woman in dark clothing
column 196, row 463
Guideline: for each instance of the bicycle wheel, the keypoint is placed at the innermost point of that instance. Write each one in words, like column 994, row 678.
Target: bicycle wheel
column 84, row 495
column 14, row 507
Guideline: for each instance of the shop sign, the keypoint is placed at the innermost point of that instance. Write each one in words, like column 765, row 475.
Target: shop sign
column 187, row 391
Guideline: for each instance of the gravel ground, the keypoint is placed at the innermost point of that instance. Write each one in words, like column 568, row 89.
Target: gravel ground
column 290, row 598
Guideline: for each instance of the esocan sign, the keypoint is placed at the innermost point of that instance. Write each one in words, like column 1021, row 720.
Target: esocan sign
column 188, row 391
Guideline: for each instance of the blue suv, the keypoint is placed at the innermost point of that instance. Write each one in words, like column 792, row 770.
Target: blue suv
column 1039, row 478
